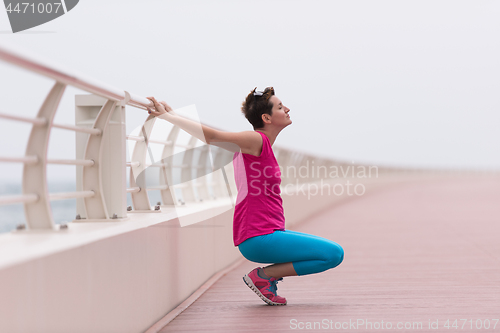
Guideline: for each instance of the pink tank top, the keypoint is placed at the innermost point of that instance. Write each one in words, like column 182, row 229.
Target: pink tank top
column 259, row 208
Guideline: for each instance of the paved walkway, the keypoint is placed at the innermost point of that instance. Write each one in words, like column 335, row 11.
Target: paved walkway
column 414, row 253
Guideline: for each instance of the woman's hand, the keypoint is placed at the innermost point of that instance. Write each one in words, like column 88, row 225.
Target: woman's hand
column 159, row 108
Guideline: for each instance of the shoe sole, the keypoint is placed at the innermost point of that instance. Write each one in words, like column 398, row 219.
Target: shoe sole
column 248, row 281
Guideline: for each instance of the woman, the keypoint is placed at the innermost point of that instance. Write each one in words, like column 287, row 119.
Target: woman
column 259, row 222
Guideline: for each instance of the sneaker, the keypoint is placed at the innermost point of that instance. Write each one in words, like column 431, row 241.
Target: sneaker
column 266, row 289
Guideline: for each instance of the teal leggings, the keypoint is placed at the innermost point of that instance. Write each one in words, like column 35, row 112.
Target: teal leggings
column 309, row 254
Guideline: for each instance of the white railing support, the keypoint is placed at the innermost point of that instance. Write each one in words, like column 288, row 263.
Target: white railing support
column 220, row 155
column 106, row 175
column 201, row 174
column 188, row 193
column 39, row 213
column 140, row 200
column 168, row 196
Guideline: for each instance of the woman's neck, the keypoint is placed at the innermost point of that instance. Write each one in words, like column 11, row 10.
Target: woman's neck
column 271, row 133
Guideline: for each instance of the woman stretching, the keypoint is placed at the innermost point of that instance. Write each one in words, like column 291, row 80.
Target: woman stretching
column 259, row 222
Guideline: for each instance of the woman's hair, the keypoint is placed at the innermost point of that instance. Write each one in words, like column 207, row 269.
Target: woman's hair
column 256, row 104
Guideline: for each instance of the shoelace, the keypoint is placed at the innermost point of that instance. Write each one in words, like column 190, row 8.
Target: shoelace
column 273, row 288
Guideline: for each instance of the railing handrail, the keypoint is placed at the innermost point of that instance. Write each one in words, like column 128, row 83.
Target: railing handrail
column 70, row 77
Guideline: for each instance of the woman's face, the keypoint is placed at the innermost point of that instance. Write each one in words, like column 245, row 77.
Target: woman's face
column 280, row 115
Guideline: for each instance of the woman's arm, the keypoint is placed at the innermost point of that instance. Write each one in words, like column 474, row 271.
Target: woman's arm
column 249, row 142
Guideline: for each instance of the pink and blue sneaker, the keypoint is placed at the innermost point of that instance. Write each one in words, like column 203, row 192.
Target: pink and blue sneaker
column 265, row 288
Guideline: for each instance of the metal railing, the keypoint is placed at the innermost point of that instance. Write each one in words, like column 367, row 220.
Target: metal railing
column 35, row 195
column 102, row 198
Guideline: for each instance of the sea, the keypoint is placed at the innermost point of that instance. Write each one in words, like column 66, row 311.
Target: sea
column 12, row 216
column 63, row 211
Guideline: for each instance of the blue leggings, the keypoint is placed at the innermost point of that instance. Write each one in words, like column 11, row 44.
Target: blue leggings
column 309, row 254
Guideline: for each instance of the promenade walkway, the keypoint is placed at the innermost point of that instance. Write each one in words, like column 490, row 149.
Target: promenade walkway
column 422, row 252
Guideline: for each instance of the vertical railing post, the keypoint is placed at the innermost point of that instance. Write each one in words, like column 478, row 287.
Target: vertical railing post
column 109, row 177
column 188, row 188
column 138, row 173
column 166, row 171
column 39, row 213
column 201, row 174
column 220, row 189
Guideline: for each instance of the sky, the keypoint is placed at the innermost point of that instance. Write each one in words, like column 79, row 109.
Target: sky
column 396, row 83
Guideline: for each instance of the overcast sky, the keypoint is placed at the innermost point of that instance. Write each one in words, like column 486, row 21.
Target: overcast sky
column 403, row 83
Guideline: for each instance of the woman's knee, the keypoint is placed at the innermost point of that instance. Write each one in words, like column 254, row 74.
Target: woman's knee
column 335, row 255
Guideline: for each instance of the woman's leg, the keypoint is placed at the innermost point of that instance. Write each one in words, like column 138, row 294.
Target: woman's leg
column 286, row 269
column 279, row 270
column 292, row 253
